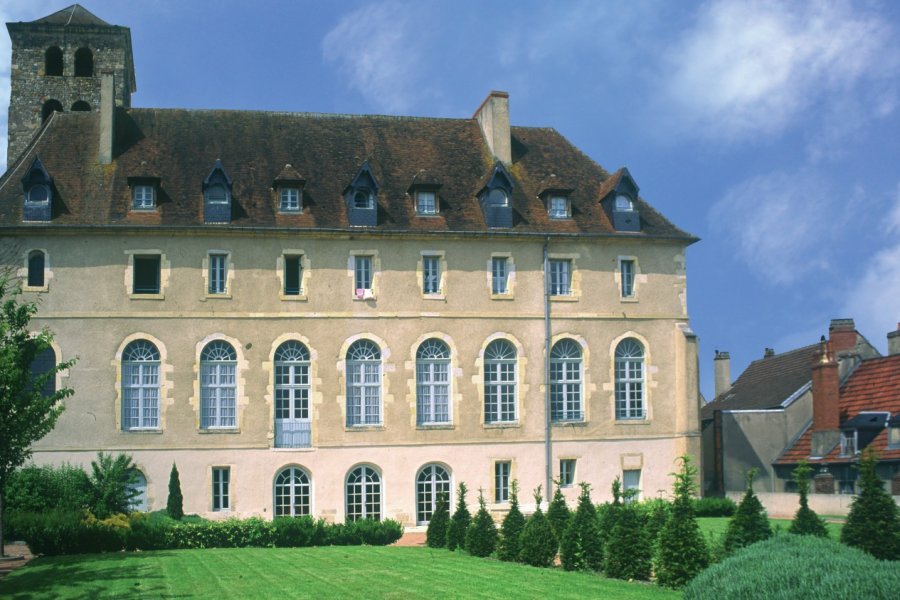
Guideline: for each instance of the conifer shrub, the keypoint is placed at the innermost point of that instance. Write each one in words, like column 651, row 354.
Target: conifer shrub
column 538, row 544
column 714, row 506
column 481, row 537
column 627, row 552
column 655, row 512
column 750, row 524
column 459, row 523
column 608, row 511
column 558, row 514
column 581, row 548
column 806, row 521
column 175, row 501
column 509, row 544
column 873, row 524
column 681, row 551
column 436, row 534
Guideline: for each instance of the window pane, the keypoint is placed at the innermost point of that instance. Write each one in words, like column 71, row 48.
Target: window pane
column 431, row 274
column 292, row 275
column 217, row 273
column 146, row 275
column 499, row 275
column 36, row 269
column 627, row 272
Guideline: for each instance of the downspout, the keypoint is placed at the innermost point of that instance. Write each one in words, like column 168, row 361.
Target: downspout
column 547, row 423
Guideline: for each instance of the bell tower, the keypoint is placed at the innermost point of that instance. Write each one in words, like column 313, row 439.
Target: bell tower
column 57, row 65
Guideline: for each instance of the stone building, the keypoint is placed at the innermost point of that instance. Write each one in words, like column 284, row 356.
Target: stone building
column 338, row 315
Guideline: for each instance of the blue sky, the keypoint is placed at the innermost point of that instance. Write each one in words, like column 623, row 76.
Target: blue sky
column 769, row 129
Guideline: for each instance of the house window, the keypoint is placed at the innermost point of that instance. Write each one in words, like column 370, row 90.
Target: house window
column 500, row 382
column 218, row 273
column 53, row 61
column 362, row 275
column 626, row 271
column 631, row 485
column 292, row 422
column 36, row 261
column 433, row 481
column 363, row 494
column 142, row 197
column 38, row 194
column 140, row 386
column 217, row 194
column 41, row 370
column 499, row 275
column 146, row 274
column 565, row 381
column 293, row 275
column 560, row 277
column 566, row 472
column 624, row 203
column 290, row 199
column 138, row 487
column 84, row 63
column 894, row 436
column 559, row 207
column 847, row 486
column 363, row 384
column 431, row 274
column 426, row 203
column 363, row 199
column 848, row 443
column 292, row 493
column 501, row 481
column 629, row 374
column 432, row 383
column 218, row 386
column 221, row 477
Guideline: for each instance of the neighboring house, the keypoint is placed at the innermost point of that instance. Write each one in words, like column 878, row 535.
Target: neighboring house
column 751, row 422
column 337, row 315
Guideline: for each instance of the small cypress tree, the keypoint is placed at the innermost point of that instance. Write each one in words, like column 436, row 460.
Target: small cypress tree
column 558, row 513
column 627, row 551
column 750, row 524
column 481, row 537
column 538, row 545
column 581, row 548
column 175, row 501
column 658, row 512
column 610, row 511
column 436, row 534
column 511, row 530
column 873, row 524
column 681, row 551
column 459, row 523
column 806, row 521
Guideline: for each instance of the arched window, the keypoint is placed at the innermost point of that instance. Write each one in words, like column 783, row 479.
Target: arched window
column 218, row 385
column 433, row 481
column 363, row 384
column 432, row 382
column 363, row 494
column 217, row 194
column 499, row 382
column 36, row 263
column 292, row 423
column 292, row 493
column 630, row 380
column 140, row 386
column 50, row 106
column 138, row 487
column 53, row 61
column 565, row 381
column 363, row 199
column 84, row 63
column 81, row 106
column 40, row 367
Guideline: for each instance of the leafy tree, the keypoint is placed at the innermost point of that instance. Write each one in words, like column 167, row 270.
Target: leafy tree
column 175, row 501
column 806, row 521
column 681, row 551
column 27, row 413
column 436, row 534
column 459, row 523
column 34, row 489
column 581, row 548
column 558, row 514
column 112, row 478
column 873, row 524
column 538, row 544
column 750, row 524
column 509, row 545
column 481, row 537
column 627, row 552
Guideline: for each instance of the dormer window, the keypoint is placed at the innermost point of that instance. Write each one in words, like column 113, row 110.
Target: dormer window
column 38, row 188
column 559, row 207
column 143, row 197
column 290, row 199
column 624, row 203
column 426, row 202
column 424, row 192
column 38, row 194
column 360, row 197
column 619, row 202
column 288, row 186
column 363, row 199
column 495, row 198
column 848, row 443
column 217, row 195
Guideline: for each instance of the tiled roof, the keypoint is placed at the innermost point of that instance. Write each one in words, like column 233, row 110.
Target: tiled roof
column 179, row 147
column 72, row 15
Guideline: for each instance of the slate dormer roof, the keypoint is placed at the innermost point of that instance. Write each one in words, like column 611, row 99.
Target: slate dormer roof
column 179, row 145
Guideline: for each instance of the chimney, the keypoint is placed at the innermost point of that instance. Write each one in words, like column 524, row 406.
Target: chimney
column 894, row 341
column 842, row 335
column 768, row 352
column 826, row 407
column 722, row 369
column 493, row 117
column 107, row 116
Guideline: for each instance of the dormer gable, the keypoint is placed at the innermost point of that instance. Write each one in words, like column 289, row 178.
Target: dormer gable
column 361, row 198
column 424, row 193
column 217, row 195
column 556, row 197
column 38, row 187
column 288, row 186
column 620, row 203
column 496, row 198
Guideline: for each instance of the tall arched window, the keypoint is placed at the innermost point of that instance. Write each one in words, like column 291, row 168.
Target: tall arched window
column 36, row 263
column 218, row 386
column 40, row 367
column 565, row 381
column 363, row 383
column 432, row 382
column 433, row 481
column 139, row 502
column 292, row 423
column 140, row 386
column 499, row 382
column 53, row 61
column 630, row 380
column 84, row 63
column 363, row 494
column 292, row 493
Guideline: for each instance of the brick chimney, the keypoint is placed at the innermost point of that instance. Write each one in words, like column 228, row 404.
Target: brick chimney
column 894, row 341
column 826, row 395
column 107, row 116
column 493, row 117
column 842, row 335
column 722, row 370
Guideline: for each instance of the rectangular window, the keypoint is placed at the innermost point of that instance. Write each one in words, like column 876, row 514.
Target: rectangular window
column 220, row 496
column 431, row 274
column 426, row 203
column 847, row 487
column 631, row 485
column 559, row 207
column 566, row 472
column 218, row 273
column 290, row 200
column 894, row 436
column 293, row 275
column 560, row 277
column 146, row 275
column 626, row 269
column 499, row 275
column 501, row 481
column 143, row 197
column 848, row 443
column 362, row 274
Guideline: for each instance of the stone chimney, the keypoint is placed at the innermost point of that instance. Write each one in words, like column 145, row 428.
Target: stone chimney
column 894, row 341
column 768, row 352
column 826, row 407
column 107, row 116
column 493, row 117
column 722, row 369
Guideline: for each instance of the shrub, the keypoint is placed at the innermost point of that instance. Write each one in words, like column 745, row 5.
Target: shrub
column 627, row 551
column 873, row 524
column 509, row 546
column 436, row 535
column 538, row 545
column 608, row 511
column 175, row 501
column 459, row 524
column 681, row 552
column 481, row 537
column 147, row 532
column 581, row 547
column 111, row 479
column 713, row 506
column 298, row 532
column 655, row 512
column 378, row 533
column 790, row 566
column 749, row 523
column 806, row 521
column 558, row 514
column 36, row 489
column 51, row 532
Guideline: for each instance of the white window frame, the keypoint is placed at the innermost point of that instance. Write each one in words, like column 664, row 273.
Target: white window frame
column 293, row 392
column 367, row 197
column 432, row 481
column 630, row 380
column 627, row 278
column 500, row 275
column 31, row 195
column 894, row 436
column 292, row 493
column 431, row 274
column 558, row 207
column 363, row 274
column 567, row 468
column 426, row 203
column 363, row 494
column 140, row 386
column 221, row 489
column 631, row 480
column 500, row 382
column 502, row 475
column 566, row 374
column 217, row 284
column 433, row 399
column 560, row 280
column 850, row 442
column 289, row 200
column 143, row 197
column 364, row 380
column 218, row 386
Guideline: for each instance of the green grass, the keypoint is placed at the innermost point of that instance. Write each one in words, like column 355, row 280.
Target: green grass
column 718, row 525
column 330, row 572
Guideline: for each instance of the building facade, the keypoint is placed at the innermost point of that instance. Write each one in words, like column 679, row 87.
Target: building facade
column 338, row 315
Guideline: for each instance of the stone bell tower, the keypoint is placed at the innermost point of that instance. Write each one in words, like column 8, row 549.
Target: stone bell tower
column 57, row 65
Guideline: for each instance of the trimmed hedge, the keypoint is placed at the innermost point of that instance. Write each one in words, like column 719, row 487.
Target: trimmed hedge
column 714, row 507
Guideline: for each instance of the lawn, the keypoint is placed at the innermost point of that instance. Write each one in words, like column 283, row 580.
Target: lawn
column 329, row 572
column 718, row 525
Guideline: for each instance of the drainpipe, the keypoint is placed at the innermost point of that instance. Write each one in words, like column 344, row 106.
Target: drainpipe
column 547, row 423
